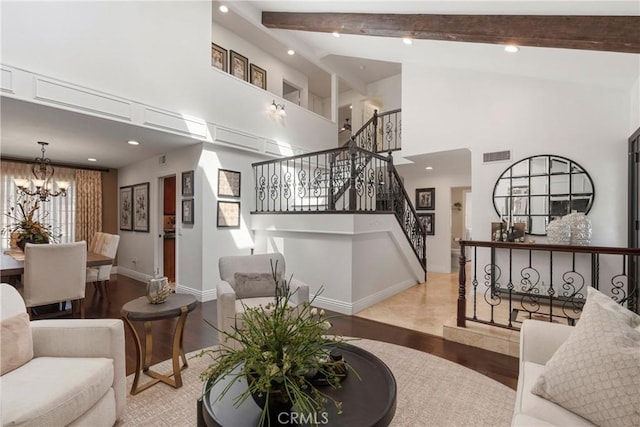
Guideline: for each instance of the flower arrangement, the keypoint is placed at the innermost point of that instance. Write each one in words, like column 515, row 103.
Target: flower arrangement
column 285, row 354
column 27, row 225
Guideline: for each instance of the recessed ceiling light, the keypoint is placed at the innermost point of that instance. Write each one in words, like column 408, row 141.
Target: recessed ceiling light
column 511, row 48
column 429, row 168
column 407, row 40
column 132, row 142
column 291, row 52
column 223, row 8
column 351, row 107
column 91, row 159
column 336, row 34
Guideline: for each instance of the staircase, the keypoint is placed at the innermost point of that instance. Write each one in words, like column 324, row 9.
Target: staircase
column 354, row 178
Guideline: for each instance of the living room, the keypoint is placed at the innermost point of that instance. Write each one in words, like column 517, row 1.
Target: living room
column 156, row 74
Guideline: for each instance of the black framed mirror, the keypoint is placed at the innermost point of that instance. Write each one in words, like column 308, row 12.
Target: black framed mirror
column 541, row 188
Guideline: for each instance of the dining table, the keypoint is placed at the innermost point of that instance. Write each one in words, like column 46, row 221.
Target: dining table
column 12, row 262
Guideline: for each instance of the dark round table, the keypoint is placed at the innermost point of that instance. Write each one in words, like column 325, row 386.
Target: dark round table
column 140, row 309
column 366, row 401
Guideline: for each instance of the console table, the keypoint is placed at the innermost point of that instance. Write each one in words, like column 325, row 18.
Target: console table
column 366, row 401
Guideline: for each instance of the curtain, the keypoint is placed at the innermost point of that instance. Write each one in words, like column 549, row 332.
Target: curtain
column 88, row 204
column 58, row 211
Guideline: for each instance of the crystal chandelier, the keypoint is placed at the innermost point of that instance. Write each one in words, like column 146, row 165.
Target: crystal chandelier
column 43, row 172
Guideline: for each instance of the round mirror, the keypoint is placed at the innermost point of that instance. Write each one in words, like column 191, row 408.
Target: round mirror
column 539, row 189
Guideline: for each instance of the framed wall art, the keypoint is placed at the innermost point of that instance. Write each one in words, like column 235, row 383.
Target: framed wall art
column 187, row 211
column 228, row 183
column 187, row 184
column 258, row 76
column 126, row 208
column 426, row 198
column 219, row 57
column 428, row 220
column 228, row 214
column 239, row 66
column 141, row 207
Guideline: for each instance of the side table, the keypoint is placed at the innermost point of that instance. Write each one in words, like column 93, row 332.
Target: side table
column 140, row 309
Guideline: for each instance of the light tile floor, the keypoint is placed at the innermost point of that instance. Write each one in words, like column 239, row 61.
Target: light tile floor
column 431, row 308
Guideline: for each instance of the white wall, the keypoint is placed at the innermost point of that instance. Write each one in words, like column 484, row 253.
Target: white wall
column 155, row 53
column 438, row 245
column 488, row 112
column 276, row 70
column 388, row 90
column 634, row 115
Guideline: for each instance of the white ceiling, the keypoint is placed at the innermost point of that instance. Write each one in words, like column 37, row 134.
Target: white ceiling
column 357, row 59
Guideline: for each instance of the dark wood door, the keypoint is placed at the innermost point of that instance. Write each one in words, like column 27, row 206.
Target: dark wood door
column 634, row 209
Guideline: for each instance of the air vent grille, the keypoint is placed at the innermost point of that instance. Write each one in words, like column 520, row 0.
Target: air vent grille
column 496, row 156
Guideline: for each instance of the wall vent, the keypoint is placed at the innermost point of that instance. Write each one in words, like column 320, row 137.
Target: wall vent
column 496, row 156
column 162, row 159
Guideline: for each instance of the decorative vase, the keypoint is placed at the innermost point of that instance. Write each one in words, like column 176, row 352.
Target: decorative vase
column 22, row 241
column 276, row 399
column 158, row 290
column 559, row 232
column 580, row 228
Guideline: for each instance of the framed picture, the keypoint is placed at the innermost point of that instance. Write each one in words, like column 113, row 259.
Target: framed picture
column 126, row 208
column 229, row 214
column 141, row 207
column 187, row 211
column 239, row 66
column 187, row 184
column 428, row 220
column 228, row 183
column 219, row 57
column 426, row 198
column 258, row 76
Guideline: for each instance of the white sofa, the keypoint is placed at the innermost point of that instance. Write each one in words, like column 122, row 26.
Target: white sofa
column 76, row 376
column 538, row 342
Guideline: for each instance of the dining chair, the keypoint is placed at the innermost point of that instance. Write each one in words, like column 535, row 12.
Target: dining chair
column 54, row 273
column 105, row 244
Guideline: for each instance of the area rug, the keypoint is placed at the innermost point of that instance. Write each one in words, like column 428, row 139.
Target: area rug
column 431, row 392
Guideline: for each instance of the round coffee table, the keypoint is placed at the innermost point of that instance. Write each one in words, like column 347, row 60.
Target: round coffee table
column 366, row 401
column 140, row 309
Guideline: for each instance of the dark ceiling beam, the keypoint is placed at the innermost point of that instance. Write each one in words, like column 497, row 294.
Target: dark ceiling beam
column 607, row 33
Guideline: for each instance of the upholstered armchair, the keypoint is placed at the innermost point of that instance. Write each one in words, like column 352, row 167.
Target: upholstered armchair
column 247, row 282
column 104, row 244
column 59, row 372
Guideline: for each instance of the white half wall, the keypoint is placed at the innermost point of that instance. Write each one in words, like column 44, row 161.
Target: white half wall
column 358, row 260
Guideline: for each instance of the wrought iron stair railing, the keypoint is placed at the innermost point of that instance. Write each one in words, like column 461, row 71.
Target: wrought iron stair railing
column 381, row 133
column 315, row 183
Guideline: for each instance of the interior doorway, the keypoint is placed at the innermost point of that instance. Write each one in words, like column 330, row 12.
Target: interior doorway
column 290, row 92
column 168, row 234
column 460, row 221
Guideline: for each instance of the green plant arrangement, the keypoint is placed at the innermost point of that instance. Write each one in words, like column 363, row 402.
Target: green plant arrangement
column 27, row 226
column 284, row 353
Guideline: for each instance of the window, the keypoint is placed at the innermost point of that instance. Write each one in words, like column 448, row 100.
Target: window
column 61, row 210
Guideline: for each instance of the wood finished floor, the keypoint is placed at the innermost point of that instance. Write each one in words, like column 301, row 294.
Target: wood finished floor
column 199, row 334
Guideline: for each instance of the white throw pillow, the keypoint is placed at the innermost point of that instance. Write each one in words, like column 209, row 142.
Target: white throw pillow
column 596, row 372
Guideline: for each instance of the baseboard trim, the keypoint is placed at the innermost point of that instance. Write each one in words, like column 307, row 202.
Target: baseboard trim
column 382, row 295
column 202, row 296
column 332, row 304
column 136, row 275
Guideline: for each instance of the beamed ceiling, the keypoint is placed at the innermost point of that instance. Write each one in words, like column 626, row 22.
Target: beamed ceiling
column 604, row 33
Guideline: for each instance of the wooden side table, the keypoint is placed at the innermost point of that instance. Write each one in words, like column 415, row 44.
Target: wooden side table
column 140, row 309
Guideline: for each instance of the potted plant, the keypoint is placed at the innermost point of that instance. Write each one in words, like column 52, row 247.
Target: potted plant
column 27, row 224
column 284, row 353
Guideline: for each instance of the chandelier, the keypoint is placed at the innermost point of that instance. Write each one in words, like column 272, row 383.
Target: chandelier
column 43, row 172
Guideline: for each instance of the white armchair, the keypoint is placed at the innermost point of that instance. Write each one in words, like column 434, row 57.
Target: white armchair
column 245, row 283
column 59, row 372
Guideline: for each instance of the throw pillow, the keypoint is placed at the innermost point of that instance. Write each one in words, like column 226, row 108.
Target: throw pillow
column 253, row 285
column 16, row 342
column 608, row 303
column 596, row 372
